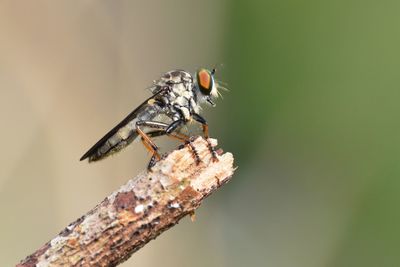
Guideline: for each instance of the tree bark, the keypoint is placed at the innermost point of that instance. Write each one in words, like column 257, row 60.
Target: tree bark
column 140, row 210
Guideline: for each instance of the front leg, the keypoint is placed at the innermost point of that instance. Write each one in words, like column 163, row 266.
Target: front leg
column 203, row 122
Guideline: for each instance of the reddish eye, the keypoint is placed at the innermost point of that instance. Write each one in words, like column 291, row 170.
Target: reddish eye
column 205, row 81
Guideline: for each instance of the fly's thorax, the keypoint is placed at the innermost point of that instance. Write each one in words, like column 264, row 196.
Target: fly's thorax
column 179, row 86
column 175, row 77
column 180, row 94
column 180, row 106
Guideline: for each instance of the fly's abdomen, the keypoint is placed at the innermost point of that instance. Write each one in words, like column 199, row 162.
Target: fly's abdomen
column 119, row 140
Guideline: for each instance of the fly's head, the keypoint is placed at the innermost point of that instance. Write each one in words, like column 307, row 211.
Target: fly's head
column 206, row 88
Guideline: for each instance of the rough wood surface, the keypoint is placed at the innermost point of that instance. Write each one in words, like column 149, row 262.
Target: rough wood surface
column 139, row 211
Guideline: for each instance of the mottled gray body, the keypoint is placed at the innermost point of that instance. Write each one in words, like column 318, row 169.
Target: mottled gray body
column 174, row 98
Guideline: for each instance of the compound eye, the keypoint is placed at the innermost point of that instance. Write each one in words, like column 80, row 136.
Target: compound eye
column 205, row 81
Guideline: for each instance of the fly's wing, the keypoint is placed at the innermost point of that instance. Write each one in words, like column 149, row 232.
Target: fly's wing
column 115, row 139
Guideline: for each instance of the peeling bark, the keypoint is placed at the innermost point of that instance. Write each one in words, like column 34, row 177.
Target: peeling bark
column 139, row 211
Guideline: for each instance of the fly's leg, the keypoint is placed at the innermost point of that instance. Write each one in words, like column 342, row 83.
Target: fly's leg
column 203, row 122
column 175, row 125
column 152, row 124
column 164, row 129
column 188, row 141
column 181, row 137
column 195, row 153
column 152, row 162
column 149, row 145
column 172, row 127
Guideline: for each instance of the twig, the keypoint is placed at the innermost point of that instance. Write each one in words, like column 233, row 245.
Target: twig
column 139, row 211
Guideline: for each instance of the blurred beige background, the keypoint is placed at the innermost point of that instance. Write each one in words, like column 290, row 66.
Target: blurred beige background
column 312, row 117
column 71, row 70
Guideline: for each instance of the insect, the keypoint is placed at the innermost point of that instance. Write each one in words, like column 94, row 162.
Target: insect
column 175, row 101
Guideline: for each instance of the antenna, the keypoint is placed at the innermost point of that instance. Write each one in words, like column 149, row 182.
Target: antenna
column 216, row 66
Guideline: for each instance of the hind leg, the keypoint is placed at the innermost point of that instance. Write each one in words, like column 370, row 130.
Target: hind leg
column 150, row 145
column 163, row 129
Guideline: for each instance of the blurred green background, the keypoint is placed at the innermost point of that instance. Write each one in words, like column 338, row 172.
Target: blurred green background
column 312, row 117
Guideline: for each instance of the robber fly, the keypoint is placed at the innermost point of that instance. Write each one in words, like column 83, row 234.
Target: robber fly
column 175, row 101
